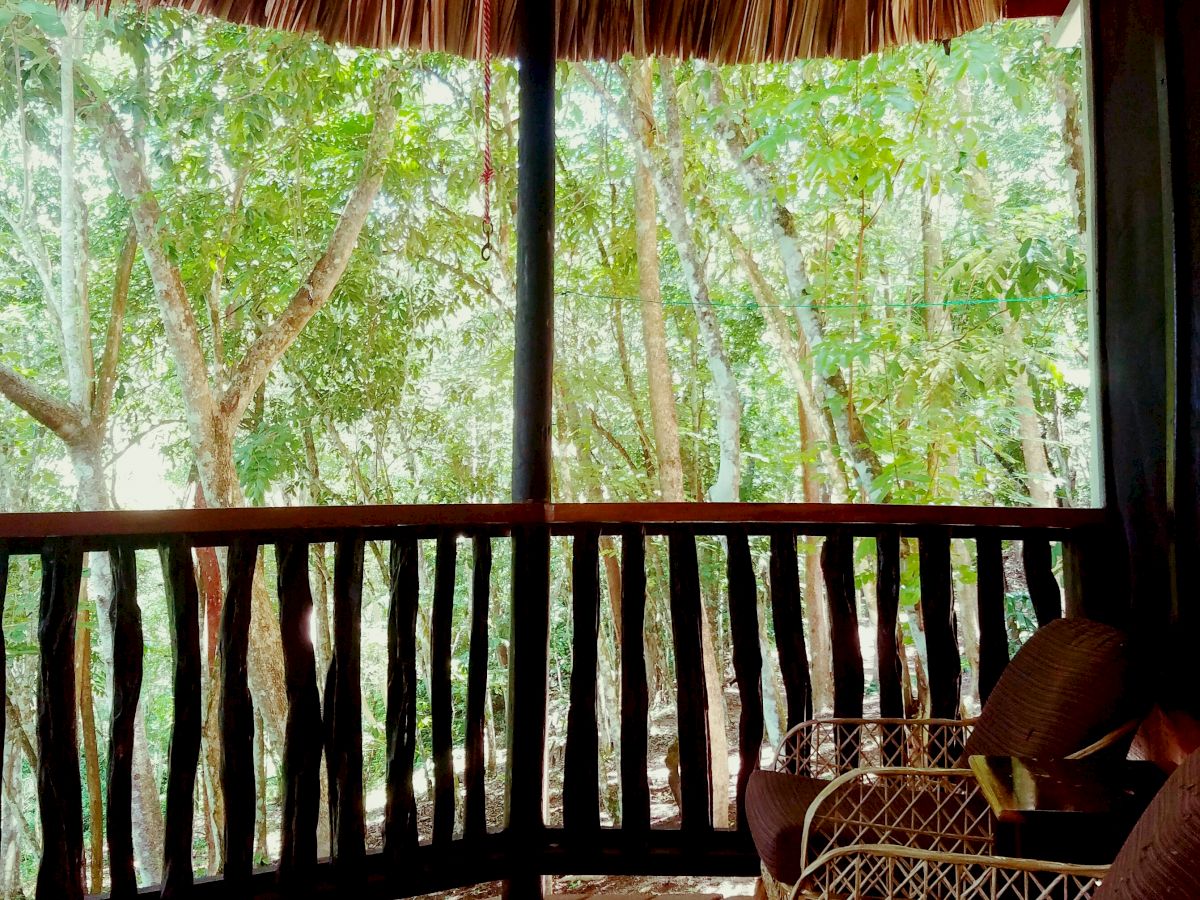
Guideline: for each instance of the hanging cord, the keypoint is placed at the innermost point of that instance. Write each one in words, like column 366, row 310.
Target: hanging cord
column 488, row 174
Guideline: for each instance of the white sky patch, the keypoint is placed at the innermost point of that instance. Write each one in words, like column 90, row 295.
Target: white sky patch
column 140, row 475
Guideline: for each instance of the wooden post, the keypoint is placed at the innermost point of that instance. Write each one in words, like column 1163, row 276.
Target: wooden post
column 343, row 716
column 441, row 700
column 747, row 662
column 691, row 695
column 475, row 814
column 937, row 610
column 533, row 362
column 993, row 634
column 887, row 645
column 527, row 685
column 1133, row 229
column 302, row 739
column 183, row 613
column 1039, row 578
column 237, row 719
column 533, row 370
column 60, row 872
column 581, row 777
column 635, row 701
column 126, row 619
column 837, row 563
column 400, row 816
column 1183, row 89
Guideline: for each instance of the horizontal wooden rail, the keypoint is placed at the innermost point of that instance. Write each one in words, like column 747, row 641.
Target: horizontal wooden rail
column 24, row 532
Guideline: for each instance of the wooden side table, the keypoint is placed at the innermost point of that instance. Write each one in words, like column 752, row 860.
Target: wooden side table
column 1076, row 811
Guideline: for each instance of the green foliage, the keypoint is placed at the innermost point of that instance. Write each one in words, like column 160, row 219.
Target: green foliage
column 399, row 389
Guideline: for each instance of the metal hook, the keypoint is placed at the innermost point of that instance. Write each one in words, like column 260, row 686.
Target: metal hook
column 487, row 249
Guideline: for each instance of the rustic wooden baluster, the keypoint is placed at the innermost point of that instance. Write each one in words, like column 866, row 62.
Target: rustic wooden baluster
column 60, row 873
column 400, row 816
column 1039, row 576
column 302, row 742
column 475, row 815
column 993, row 632
column 528, row 679
column 690, row 692
column 343, row 714
column 747, row 661
column 635, row 700
column 788, row 618
column 837, row 563
column 581, row 775
column 183, row 613
column 237, row 718
column 3, row 653
column 941, row 638
column 441, row 703
column 126, row 621
column 887, row 648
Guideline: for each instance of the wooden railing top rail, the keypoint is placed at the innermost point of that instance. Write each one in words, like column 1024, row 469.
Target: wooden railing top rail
column 147, row 528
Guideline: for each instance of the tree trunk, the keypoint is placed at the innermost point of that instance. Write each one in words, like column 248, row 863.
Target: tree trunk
column 260, row 784
column 777, row 220
column 1038, row 477
column 968, row 616
column 212, row 418
column 210, row 768
column 654, row 332
column 70, row 311
column 727, row 485
column 773, row 706
column 814, row 585
column 91, row 751
column 13, row 822
column 815, row 433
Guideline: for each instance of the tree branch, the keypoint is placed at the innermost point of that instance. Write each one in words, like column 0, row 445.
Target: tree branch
column 617, row 445
column 106, row 380
column 179, row 322
column 59, row 416
column 317, row 288
column 213, row 296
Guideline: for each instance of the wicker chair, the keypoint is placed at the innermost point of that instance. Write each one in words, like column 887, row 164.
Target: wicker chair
column 1069, row 692
column 1158, row 861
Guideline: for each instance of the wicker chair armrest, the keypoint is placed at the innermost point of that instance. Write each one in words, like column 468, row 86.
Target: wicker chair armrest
column 828, row 747
column 1110, row 740
column 908, row 873
column 929, row 808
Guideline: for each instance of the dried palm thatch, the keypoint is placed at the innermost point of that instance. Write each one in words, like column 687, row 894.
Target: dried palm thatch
column 723, row 31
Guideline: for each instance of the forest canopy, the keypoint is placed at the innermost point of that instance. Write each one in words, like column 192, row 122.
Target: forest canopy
column 872, row 272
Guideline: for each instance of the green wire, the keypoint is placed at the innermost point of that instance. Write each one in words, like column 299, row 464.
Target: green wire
column 964, row 301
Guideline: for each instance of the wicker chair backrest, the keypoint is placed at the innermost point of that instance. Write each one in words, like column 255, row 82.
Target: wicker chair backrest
column 1071, row 684
column 1161, row 857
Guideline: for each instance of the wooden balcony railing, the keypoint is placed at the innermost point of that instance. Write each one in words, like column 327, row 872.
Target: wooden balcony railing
column 526, row 845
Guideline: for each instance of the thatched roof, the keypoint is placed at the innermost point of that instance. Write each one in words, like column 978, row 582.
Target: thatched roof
column 720, row 30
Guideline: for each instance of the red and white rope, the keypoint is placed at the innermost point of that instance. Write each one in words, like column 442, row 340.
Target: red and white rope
column 489, row 173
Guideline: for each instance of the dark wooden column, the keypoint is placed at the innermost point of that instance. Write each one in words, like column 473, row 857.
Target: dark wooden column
column 1134, row 308
column 1183, row 90
column 533, row 370
column 533, row 363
